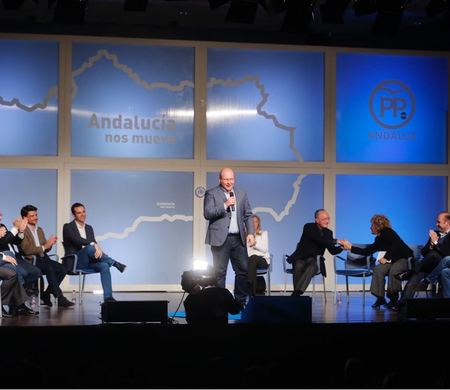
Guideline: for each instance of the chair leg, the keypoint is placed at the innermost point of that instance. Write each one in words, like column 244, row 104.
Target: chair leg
column 335, row 287
column 364, row 290
column 80, row 276
column 314, row 287
column 268, row 283
column 346, row 286
column 324, row 289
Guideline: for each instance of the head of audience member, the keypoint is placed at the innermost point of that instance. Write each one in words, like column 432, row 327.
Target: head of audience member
column 378, row 222
column 322, row 218
column 443, row 222
column 226, row 179
column 30, row 212
column 256, row 224
column 79, row 212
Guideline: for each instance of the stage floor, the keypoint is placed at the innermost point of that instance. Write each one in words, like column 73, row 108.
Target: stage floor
column 346, row 311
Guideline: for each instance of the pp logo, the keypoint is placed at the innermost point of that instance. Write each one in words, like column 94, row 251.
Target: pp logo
column 200, row 192
column 392, row 104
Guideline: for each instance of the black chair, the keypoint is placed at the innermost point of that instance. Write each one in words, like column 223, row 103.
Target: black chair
column 265, row 272
column 70, row 262
column 353, row 266
column 288, row 269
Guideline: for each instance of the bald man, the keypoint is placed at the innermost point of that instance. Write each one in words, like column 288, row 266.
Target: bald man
column 230, row 227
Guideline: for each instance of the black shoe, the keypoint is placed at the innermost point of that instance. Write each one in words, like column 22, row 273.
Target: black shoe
column 110, row 299
column 7, row 314
column 45, row 299
column 391, row 304
column 296, row 293
column 404, row 275
column 23, row 310
column 64, row 302
column 121, row 267
column 379, row 302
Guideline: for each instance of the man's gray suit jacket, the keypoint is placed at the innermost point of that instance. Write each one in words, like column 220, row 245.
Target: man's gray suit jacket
column 219, row 218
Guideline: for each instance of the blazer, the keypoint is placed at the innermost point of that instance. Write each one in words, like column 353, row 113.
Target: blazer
column 219, row 218
column 313, row 242
column 442, row 247
column 28, row 245
column 7, row 239
column 72, row 240
column 387, row 240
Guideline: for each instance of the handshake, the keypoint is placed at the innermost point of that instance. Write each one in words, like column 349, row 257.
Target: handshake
column 347, row 245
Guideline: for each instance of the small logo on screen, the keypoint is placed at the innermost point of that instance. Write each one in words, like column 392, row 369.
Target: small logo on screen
column 392, row 104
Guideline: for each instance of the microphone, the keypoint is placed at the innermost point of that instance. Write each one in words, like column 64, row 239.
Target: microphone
column 232, row 196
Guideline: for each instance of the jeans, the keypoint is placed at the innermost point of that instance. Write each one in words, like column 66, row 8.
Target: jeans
column 232, row 249
column 87, row 262
column 434, row 275
column 445, row 281
column 26, row 272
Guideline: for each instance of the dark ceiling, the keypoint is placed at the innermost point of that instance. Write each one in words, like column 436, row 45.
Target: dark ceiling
column 402, row 24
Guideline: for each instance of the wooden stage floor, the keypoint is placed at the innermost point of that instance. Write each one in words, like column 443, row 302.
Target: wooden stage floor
column 331, row 312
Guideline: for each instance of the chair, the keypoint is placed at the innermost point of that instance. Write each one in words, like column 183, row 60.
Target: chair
column 354, row 266
column 40, row 283
column 417, row 255
column 70, row 263
column 265, row 271
column 1, row 304
column 288, row 269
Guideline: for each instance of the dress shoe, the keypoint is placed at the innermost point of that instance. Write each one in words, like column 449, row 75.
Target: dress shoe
column 296, row 293
column 64, row 302
column 110, row 299
column 121, row 267
column 391, row 304
column 404, row 275
column 45, row 299
column 7, row 314
column 23, row 310
column 379, row 302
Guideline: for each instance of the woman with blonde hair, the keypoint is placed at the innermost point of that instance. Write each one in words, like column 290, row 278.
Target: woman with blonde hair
column 258, row 254
column 393, row 262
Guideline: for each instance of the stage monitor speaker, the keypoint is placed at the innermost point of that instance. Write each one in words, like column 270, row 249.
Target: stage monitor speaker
column 278, row 310
column 135, row 311
column 427, row 308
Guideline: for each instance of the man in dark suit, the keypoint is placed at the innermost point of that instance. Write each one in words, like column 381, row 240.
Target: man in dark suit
column 79, row 238
column 12, row 292
column 228, row 212
column 436, row 248
column 35, row 243
column 316, row 237
column 26, row 272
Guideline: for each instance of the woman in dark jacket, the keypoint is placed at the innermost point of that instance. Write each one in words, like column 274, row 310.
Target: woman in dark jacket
column 392, row 263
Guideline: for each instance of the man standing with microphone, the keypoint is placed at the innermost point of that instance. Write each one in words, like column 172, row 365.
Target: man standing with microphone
column 230, row 227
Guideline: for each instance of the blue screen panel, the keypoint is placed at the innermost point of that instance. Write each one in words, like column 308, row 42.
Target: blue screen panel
column 265, row 105
column 132, row 101
column 410, row 202
column 391, row 109
column 30, row 186
column 284, row 202
column 28, row 98
column 136, row 217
